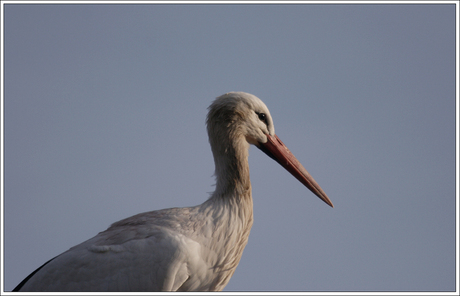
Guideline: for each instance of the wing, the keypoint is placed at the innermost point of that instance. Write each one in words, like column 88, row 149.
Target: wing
column 122, row 258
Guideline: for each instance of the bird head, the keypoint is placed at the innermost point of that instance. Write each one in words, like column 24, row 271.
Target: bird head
column 238, row 115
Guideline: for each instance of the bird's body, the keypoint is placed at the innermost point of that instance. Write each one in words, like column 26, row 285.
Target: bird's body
column 187, row 243
column 179, row 249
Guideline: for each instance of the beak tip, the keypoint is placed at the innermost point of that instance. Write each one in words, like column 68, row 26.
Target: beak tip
column 329, row 203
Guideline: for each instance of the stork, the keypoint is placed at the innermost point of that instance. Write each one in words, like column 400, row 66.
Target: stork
column 182, row 249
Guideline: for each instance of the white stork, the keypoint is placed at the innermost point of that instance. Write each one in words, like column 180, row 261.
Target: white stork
column 182, row 249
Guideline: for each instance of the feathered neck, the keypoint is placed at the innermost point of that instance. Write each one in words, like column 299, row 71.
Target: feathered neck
column 232, row 169
column 230, row 150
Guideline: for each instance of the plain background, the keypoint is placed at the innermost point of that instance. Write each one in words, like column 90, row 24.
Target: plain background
column 105, row 110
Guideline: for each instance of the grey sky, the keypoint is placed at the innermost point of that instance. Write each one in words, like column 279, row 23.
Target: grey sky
column 105, row 111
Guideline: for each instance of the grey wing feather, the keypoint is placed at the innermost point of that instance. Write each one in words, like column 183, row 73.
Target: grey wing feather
column 119, row 259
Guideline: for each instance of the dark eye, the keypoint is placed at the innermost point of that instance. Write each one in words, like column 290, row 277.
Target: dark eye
column 262, row 117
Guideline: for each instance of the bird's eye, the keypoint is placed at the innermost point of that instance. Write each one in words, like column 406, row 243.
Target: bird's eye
column 262, row 117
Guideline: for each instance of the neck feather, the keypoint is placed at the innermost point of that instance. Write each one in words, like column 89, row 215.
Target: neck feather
column 232, row 168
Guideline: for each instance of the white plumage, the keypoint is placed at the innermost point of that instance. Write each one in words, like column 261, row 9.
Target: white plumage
column 181, row 249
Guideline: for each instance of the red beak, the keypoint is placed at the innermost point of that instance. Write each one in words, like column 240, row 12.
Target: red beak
column 279, row 152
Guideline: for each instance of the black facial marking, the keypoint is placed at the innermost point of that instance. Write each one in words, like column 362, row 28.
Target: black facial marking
column 262, row 117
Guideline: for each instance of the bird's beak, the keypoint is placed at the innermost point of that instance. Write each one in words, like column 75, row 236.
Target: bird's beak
column 279, row 152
